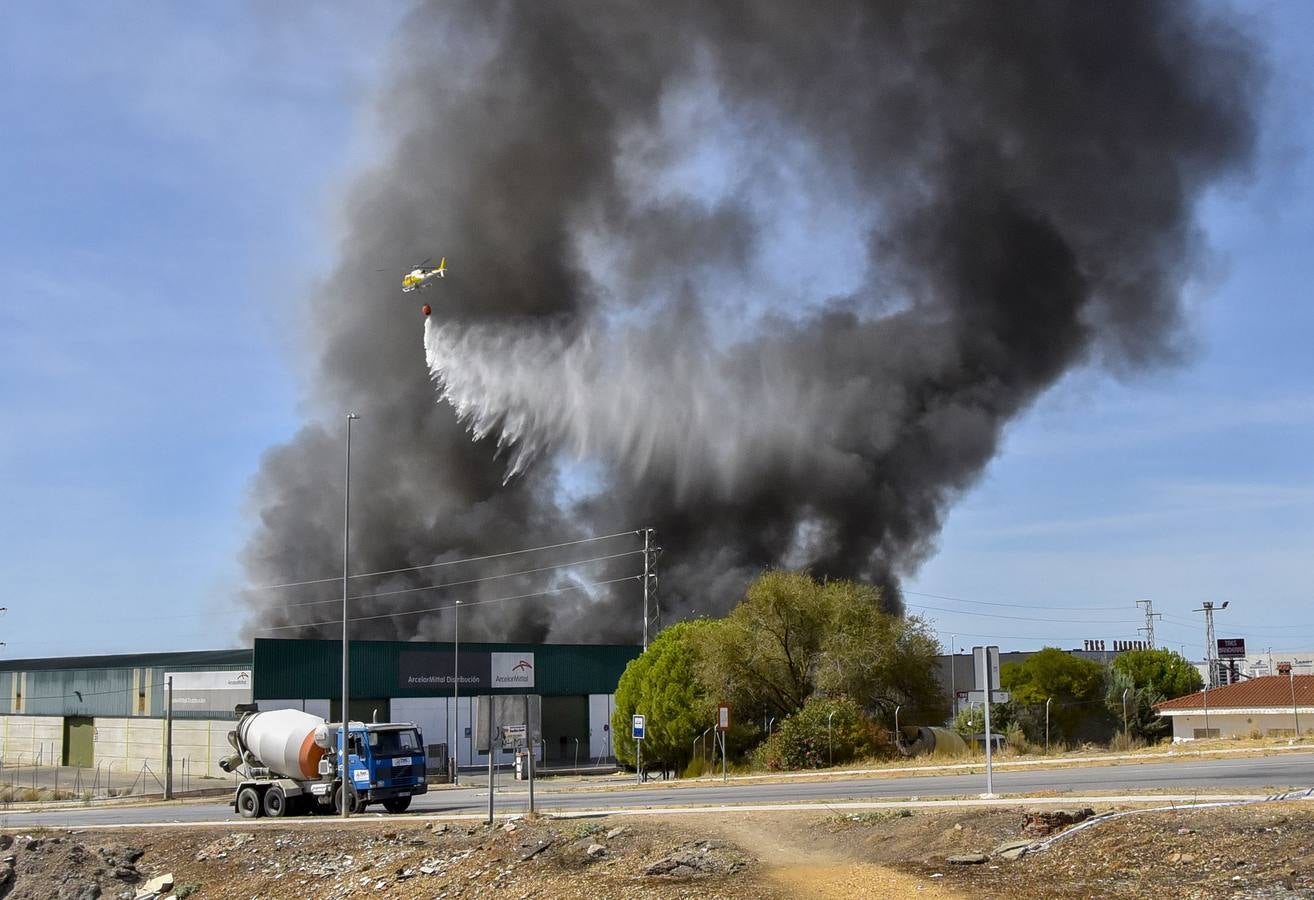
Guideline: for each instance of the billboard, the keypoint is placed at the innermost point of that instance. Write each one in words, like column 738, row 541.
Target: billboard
column 509, row 726
column 480, row 672
column 209, row 692
column 1231, row 648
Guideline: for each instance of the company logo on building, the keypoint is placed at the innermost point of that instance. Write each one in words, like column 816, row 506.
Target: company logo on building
column 512, row 670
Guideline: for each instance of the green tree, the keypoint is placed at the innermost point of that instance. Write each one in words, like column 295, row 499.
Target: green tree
column 792, row 636
column 1075, row 685
column 1141, row 720
column 1165, row 672
column 882, row 660
column 661, row 685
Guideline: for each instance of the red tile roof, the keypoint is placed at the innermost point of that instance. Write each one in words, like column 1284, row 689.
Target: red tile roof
column 1254, row 693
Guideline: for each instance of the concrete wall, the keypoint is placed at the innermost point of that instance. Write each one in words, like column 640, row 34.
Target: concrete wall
column 1234, row 725
column 124, row 743
column 28, row 739
column 197, row 744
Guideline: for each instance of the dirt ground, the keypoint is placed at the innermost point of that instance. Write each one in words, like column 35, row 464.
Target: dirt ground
column 1260, row 851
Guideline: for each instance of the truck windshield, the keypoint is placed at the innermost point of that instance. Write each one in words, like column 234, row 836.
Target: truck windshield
column 401, row 741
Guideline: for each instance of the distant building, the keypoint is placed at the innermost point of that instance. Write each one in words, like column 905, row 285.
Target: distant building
column 956, row 675
column 1270, row 706
column 1257, row 665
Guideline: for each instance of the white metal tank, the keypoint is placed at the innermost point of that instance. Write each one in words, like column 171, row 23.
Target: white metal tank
column 288, row 742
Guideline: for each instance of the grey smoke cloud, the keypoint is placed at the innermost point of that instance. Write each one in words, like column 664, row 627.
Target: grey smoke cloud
column 779, row 276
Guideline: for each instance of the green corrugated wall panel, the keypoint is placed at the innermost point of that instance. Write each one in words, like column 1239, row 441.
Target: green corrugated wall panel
column 299, row 669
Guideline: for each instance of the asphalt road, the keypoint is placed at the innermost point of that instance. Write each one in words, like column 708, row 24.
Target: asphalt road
column 1261, row 774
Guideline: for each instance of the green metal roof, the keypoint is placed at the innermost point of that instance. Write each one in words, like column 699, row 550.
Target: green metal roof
column 303, row 669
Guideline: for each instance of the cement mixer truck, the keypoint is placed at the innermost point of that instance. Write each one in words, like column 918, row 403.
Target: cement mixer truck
column 292, row 764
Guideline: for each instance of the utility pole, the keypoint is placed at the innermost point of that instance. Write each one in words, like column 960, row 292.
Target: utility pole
column 529, row 743
column 491, row 772
column 1150, row 616
column 168, row 740
column 345, row 772
column 1211, row 645
column 456, row 694
column 650, row 612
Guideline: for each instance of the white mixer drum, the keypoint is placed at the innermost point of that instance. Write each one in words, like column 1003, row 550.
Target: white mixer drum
column 288, row 742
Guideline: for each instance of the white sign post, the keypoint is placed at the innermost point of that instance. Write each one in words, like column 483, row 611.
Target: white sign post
column 986, row 667
column 638, row 725
column 722, row 726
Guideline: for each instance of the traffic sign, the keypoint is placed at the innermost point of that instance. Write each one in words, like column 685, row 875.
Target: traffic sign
column 986, row 667
column 637, row 727
column 995, row 697
column 723, row 717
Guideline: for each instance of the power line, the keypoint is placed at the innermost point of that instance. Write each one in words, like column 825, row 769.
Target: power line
column 450, row 562
column 963, row 612
column 416, row 612
column 1009, row 605
column 430, row 587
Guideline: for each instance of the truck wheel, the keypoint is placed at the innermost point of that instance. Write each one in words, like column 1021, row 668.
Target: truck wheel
column 275, row 802
column 356, row 805
column 397, row 804
column 248, row 803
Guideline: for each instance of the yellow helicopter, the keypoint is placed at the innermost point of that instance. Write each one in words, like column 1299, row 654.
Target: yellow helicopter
column 417, row 278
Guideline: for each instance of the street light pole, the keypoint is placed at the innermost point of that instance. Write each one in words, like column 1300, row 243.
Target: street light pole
column 1048, row 700
column 456, row 696
column 830, row 743
column 953, row 677
column 1126, row 734
column 346, row 547
column 1295, row 712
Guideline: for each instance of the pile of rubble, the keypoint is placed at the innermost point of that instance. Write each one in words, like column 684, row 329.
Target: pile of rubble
column 59, row 866
column 517, row 857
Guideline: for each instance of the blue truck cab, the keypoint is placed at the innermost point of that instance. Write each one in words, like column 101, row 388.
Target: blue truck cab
column 385, row 764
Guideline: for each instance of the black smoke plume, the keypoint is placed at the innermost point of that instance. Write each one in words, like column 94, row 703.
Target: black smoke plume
column 767, row 277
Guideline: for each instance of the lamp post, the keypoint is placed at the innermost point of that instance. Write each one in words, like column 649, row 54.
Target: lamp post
column 1295, row 712
column 1048, row 700
column 897, row 740
column 830, row 744
column 953, row 676
column 346, row 545
column 1126, row 734
column 456, row 695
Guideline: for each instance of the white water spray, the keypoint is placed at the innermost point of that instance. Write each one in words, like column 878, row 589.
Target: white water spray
column 654, row 398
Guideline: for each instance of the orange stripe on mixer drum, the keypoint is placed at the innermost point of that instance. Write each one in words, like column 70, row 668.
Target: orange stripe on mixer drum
column 309, row 757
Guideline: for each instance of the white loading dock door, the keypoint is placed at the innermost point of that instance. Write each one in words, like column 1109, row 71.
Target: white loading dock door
column 434, row 716
column 428, row 713
column 600, row 710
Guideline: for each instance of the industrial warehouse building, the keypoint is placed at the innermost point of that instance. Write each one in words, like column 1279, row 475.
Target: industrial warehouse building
column 109, row 711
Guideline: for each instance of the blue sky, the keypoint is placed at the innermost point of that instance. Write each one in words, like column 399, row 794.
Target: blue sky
column 169, row 179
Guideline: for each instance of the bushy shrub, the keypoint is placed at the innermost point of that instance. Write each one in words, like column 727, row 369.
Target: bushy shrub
column 803, row 742
column 970, row 722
